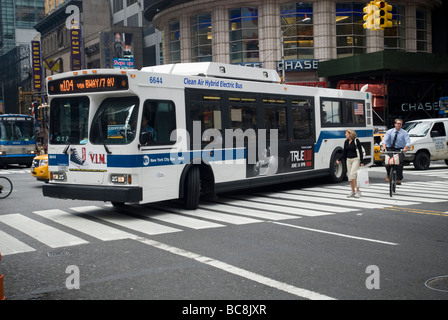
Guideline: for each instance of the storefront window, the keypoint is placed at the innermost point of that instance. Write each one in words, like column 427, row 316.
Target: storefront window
column 201, row 38
column 350, row 34
column 243, row 26
column 175, row 42
column 297, row 30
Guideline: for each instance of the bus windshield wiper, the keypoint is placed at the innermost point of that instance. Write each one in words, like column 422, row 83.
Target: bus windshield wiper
column 66, row 149
column 106, row 148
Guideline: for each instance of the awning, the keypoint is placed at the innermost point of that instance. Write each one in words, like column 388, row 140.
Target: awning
column 385, row 62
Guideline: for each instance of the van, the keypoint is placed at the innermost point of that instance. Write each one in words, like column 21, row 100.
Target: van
column 429, row 142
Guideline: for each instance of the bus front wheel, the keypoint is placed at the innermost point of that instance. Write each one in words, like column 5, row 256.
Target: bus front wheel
column 192, row 188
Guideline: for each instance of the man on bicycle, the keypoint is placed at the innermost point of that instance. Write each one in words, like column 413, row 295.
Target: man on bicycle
column 396, row 139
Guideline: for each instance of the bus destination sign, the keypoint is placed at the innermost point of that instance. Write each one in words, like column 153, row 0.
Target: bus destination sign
column 87, row 84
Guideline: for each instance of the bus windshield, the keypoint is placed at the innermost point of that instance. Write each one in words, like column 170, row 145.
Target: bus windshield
column 417, row 129
column 115, row 122
column 16, row 129
column 69, row 120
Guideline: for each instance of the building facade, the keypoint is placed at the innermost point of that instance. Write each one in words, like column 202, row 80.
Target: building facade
column 312, row 42
column 17, row 18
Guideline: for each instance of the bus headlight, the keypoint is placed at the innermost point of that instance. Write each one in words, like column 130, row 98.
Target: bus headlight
column 58, row 176
column 121, row 178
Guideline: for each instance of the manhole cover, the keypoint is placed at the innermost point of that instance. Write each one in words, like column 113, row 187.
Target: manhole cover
column 438, row 283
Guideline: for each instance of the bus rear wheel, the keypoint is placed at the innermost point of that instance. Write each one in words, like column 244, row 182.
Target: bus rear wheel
column 192, row 188
column 337, row 171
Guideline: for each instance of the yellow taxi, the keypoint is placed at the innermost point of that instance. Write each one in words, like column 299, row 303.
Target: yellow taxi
column 39, row 168
column 377, row 139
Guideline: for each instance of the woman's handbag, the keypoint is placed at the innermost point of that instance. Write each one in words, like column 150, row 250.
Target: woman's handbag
column 362, row 178
column 362, row 148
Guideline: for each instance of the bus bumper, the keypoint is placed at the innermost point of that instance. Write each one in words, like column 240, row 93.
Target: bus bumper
column 95, row 193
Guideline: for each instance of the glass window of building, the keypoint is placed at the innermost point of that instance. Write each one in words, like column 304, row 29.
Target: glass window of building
column 201, row 38
column 395, row 36
column 244, row 44
column 297, row 30
column 175, row 42
column 422, row 31
column 118, row 5
column 350, row 34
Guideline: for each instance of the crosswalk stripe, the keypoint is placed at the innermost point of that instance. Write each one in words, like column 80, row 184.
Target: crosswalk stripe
column 336, row 199
column 308, row 205
column 380, row 192
column 129, row 222
column 416, row 189
column 182, row 220
column 268, row 205
column 232, row 219
column 230, row 207
column 291, row 206
column 438, row 185
column 10, row 245
column 91, row 228
column 50, row 236
column 335, row 193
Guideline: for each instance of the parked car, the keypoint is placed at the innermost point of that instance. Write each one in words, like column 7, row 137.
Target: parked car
column 429, row 142
column 377, row 139
column 39, row 168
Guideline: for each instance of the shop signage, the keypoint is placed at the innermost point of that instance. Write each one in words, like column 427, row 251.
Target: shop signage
column 298, row 65
column 37, row 65
column 420, row 106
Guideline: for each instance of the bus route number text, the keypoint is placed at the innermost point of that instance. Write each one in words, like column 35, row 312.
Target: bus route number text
column 93, row 83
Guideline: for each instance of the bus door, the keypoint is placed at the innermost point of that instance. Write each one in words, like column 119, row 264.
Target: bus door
column 295, row 145
column 160, row 172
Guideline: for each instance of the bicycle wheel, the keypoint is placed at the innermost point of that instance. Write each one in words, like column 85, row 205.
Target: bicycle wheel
column 392, row 181
column 5, row 187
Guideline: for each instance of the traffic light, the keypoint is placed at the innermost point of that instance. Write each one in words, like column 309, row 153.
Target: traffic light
column 368, row 17
column 34, row 109
column 382, row 15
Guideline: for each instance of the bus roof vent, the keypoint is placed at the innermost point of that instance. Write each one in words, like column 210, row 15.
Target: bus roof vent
column 217, row 70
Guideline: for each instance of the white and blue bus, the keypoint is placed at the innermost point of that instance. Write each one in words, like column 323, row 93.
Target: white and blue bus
column 17, row 142
column 185, row 130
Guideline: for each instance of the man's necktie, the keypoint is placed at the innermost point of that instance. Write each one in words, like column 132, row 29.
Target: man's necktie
column 395, row 139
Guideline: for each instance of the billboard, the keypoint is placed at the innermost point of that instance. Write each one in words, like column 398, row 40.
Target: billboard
column 123, row 56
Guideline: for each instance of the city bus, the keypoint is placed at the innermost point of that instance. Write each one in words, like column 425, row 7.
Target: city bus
column 17, row 142
column 186, row 131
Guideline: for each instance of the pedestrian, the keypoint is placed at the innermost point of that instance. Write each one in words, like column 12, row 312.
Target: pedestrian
column 353, row 156
column 396, row 139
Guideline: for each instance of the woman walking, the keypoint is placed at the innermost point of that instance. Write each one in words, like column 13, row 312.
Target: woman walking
column 353, row 156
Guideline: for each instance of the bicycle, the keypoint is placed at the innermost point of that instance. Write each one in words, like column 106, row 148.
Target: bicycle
column 5, row 187
column 392, row 159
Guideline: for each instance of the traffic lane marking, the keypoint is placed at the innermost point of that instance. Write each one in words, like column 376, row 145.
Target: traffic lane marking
column 335, row 233
column 419, row 211
column 299, row 292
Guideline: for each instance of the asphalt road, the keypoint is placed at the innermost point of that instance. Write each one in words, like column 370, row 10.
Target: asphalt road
column 297, row 241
